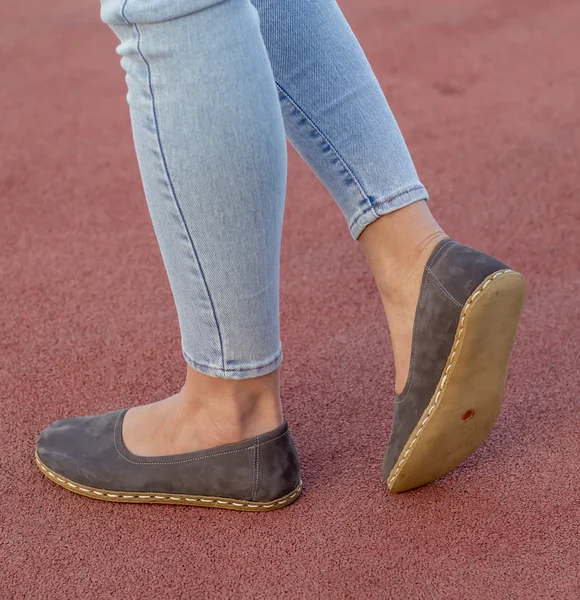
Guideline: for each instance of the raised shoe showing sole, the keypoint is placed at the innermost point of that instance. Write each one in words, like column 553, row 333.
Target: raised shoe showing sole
column 87, row 456
column 465, row 325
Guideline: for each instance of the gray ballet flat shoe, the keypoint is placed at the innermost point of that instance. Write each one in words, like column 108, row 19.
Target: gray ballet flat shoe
column 467, row 314
column 86, row 455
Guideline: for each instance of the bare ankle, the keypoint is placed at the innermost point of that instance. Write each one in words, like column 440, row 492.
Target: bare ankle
column 236, row 408
column 400, row 273
column 397, row 247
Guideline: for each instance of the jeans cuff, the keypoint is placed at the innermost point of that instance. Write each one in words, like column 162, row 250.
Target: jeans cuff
column 245, row 371
column 399, row 199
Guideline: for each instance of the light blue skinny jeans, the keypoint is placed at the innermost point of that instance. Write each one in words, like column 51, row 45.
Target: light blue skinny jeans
column 214, row 88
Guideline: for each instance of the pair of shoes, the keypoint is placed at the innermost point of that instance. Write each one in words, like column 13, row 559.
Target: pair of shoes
column 465, row 323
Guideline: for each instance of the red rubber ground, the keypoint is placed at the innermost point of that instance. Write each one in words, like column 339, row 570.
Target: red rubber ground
column 487, row 93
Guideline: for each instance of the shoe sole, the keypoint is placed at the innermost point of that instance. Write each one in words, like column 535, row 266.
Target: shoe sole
column 161, row 498
column 468, row 398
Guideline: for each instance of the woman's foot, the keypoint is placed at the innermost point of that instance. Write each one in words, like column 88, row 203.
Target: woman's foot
column 205, row 413
column 397, row 247
column 215, row 444
column 453, row 313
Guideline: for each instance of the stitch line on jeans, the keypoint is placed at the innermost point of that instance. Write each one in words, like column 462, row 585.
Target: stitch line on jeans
column 288, row 97
column 169, row 180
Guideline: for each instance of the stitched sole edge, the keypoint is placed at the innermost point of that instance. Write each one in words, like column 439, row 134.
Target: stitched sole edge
column 162, row 498
column 439, row 396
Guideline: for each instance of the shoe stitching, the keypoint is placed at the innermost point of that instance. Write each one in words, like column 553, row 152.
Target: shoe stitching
column 254, row 470
column 177, row 462
column 432, row 259
column 441, row 385
column 442, row 287
column 283, row 500
column 419, row 311
column 257, row 467
column 413, row 352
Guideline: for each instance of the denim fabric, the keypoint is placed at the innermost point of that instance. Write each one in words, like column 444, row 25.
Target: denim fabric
column 214, row 87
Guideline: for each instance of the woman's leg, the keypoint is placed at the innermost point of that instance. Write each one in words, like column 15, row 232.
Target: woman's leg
column 452, row 310
column 338, row 119
column 335, row 112
column 210, row 143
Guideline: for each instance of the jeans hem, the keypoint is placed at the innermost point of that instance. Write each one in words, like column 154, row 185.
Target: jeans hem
column 240, row 372
column 389, row 204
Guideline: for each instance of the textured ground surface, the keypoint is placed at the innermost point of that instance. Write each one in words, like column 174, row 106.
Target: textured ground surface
column 487, row 93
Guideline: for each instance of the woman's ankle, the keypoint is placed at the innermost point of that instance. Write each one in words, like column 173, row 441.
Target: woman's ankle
column 397, row 247
column 206, row 413
column 234, row 408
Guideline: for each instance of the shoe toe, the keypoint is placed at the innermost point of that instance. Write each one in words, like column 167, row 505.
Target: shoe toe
column 71, row 447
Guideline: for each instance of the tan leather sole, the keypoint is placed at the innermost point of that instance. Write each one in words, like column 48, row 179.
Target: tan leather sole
column 160, row 498
column 469, row 395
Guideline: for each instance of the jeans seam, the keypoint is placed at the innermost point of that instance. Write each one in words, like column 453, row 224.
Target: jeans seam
column 236, row 369
column 169, row 180
column 334, row 149
column 390, row 198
